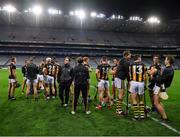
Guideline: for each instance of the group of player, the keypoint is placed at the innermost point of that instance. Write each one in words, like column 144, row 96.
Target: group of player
column 129, row 74
column 132, row 76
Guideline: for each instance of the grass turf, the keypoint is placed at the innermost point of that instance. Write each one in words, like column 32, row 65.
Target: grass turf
column 27, row 117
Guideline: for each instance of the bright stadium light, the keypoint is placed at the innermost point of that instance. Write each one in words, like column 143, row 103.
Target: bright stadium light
column 120, row 17
column 80, row 14
column 71, row 13
column 37, row 10
column 101, row 15
column 153, row 20
column 54, row 11
column 135, row 18
column 9, row 8
column 113, row 17
column 93, row 14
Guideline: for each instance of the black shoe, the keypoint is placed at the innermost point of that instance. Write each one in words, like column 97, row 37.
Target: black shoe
column 36, row 99
column 165, row 120
column 153, row 109
column 9, row 98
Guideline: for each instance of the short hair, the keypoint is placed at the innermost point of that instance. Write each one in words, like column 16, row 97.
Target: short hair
column 67, row 58
column 136, row 57
column 126, row 53
column 156, row 55
column 13, row 59
column 104, row 58
column 117, row 59
column 80, row 60
column 170, row 59
column 85, row 58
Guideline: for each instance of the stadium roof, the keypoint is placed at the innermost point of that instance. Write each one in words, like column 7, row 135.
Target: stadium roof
column 166, row 9
column 111, row 15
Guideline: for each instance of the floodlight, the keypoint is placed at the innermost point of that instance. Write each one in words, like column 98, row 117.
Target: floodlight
column 101, row 15
column 120, row 17
column 37, row 10
column 71, row 13
column 135, row 18
column 93, row 14
column 153, row 20
column 54, row 11
column 9, row 8
column 113, row 16
column 80, row 14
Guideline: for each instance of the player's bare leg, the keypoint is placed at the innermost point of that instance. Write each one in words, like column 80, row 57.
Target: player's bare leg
column 47, row 91
column 159, row 107
column 13, row 91
column 35, row 91
column 9, row 90
column 27, row 90
column 23, row 85
column 100, row 92
column 107, row 92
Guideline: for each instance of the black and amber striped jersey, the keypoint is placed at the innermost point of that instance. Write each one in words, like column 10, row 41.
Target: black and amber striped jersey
column 11, row 68
column 50, row 69
column 103, row 71
column 137, row 72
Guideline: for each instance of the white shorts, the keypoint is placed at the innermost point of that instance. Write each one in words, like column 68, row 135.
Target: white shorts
column 136, row 87
column 119, row 83
column 103, row 84
column 40, row 77
column 156, row 90
column 12, row 81
column 49, row 79
column 29, row 81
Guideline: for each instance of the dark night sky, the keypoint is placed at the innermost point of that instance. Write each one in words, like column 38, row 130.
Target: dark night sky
column 165, row 9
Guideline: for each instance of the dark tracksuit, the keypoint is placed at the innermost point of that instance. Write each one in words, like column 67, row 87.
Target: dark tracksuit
column 65, row 75
column 166, row 78
column 123, row 69
column 80, row 77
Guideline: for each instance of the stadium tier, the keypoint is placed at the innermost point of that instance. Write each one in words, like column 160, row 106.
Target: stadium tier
column 33, row 41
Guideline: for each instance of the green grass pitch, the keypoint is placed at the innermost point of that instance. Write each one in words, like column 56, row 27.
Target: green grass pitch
column 42, row 118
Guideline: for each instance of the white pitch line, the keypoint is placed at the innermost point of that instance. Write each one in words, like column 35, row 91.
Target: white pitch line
column 164, row 124
column 161, row 123
column 156, row 120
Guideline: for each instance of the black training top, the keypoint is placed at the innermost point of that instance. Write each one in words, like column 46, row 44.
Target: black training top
column 80, row 75
column 123, row 69
column 167, row 76
column 32, row 71
column 24, row 70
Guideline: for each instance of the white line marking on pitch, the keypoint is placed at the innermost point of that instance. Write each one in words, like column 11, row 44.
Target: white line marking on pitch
column 156, row 120
column 161, row 123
